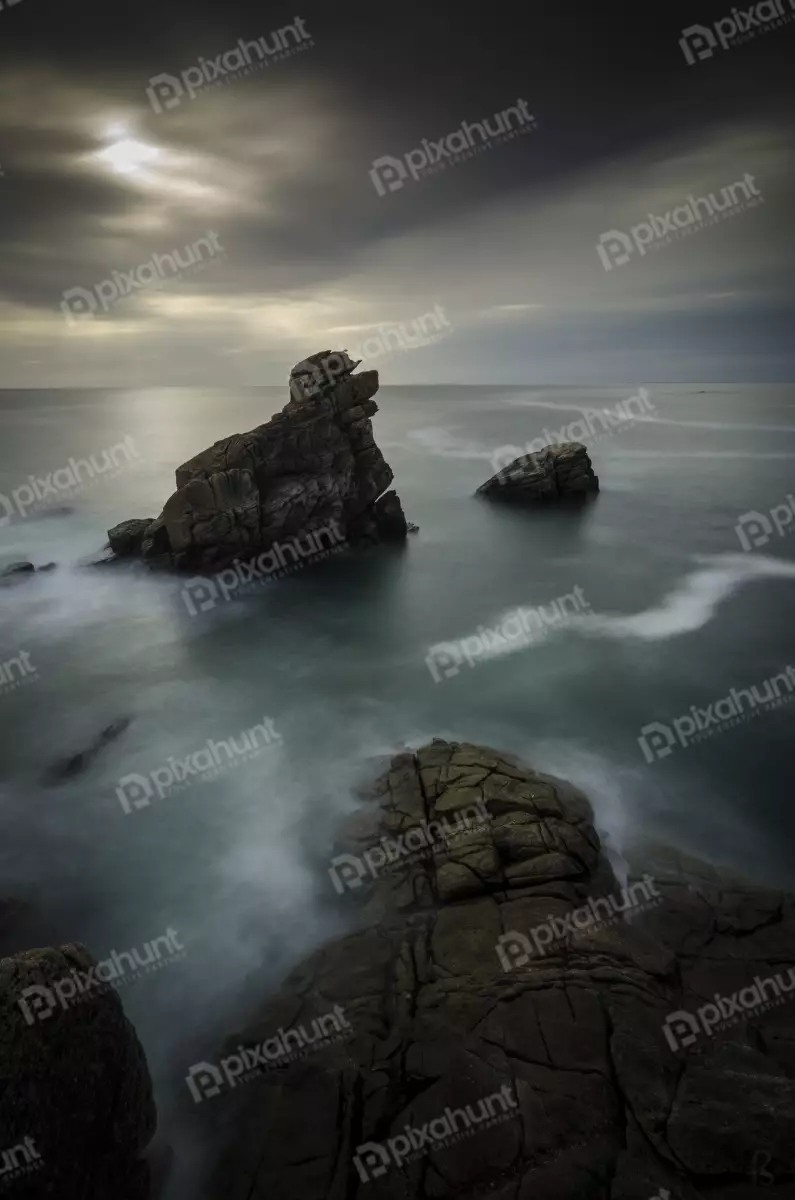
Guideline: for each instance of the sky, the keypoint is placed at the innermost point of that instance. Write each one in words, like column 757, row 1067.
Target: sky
column 285, row 238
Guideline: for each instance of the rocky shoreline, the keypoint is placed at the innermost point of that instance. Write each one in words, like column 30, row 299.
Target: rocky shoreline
column 512, row 1017
column 508, row 1019
column 469, row 976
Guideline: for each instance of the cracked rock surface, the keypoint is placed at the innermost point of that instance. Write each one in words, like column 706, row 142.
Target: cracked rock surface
column 604, row 1106
column 560, row 472
column 312, row 469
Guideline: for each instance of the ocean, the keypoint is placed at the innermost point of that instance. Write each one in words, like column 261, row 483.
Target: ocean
column 642, row 692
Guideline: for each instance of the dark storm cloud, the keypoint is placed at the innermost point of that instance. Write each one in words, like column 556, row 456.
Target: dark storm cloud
column 277, row 164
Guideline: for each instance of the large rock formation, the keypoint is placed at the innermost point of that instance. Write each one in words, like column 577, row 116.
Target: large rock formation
column 314, row 467
column 510, row 1034
column 76, row 1107
column 556, row 473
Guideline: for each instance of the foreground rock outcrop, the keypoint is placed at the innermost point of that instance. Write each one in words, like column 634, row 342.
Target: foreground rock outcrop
column 510, row 1023
column 76, row 1107
column 313, row 467
column 556, row 473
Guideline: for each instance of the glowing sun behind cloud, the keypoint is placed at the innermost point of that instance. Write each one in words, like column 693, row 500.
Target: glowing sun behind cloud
column 128, row 155
column 162, row 172
column 168, row 175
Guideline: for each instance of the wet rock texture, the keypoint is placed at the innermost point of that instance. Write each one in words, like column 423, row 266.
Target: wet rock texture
column 606, row 1107
column 73, row 1082
column 556, row 473
column 313, row 467
column 126, row 539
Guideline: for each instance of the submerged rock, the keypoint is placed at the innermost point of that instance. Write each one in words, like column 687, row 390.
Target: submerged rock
column 513, row 1024
column 556, row 473
column 14, row 572
column 19, row 571
column 106, row 558
column 76, row 1106
column 313, row 467
column 17, row 568
column 67, row 768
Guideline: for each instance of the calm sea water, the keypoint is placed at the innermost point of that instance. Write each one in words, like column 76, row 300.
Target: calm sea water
column 335, row 656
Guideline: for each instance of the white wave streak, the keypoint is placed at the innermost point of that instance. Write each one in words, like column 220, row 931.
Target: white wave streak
column 693, row 602
column 687, row 607
column 719, row 425
column 600, row 407
column 620, row 452
column 444, row 443
column 575, row 406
